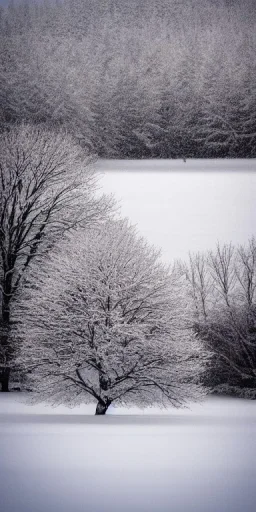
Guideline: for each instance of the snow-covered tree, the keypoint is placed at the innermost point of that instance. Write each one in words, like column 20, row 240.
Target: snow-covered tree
column 222, row 285
column 106, row 321
column 46, row 189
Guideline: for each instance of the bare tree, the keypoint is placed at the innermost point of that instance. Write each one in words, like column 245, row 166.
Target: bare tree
column 226, row 322
column 46, row 189
column 196, row 272
column 106, row 321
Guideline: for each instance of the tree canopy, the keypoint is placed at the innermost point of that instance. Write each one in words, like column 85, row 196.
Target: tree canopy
column 105, row 320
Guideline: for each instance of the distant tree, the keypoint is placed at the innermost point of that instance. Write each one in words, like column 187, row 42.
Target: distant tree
column 106, row 321
column 223, row 290
column 46, row 189
column 233, row 274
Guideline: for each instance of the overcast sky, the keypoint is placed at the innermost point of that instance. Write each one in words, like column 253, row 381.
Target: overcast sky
column 185, row 210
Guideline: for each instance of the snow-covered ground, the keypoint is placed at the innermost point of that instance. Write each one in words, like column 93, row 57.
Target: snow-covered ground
column 201, row 459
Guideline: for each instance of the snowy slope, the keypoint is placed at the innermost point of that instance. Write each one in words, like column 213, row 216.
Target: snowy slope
column 191, row 164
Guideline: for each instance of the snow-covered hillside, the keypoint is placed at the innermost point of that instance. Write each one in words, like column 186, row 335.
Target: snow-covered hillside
column 184, row 207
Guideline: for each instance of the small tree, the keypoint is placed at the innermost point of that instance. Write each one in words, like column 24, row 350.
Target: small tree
column 46, row 189
column 107, row 320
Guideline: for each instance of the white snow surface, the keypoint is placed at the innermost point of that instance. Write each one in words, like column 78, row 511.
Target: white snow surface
column 185, row 206
column 200, row 459
column 169, row 165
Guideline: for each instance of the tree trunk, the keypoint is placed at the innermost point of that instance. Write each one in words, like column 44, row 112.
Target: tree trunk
column 5, row 370
column 101, row 408
column 4, row 338
column 4, row 379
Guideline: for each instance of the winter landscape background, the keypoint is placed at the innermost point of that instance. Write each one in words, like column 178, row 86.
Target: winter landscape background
column 127, row 255
column 201, row 458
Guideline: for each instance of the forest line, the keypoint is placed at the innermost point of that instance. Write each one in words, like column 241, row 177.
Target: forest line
column 158, row 80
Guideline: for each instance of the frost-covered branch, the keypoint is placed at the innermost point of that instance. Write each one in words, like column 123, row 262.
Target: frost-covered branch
column 47, row 188
column 83, row 310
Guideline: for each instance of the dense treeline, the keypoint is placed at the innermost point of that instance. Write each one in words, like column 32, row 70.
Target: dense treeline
column 134, row 79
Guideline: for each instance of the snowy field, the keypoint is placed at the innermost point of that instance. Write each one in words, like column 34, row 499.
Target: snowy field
column 185, row 206
column 201, row 459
